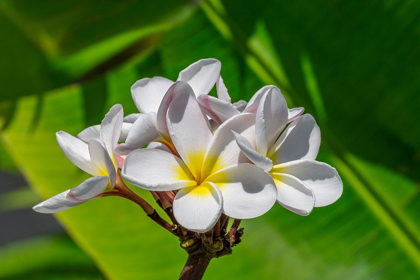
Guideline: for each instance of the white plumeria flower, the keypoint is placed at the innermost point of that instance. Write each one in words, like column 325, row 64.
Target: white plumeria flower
column 152, row 97
column 221, row 109
column 94, row 131
column 209, row 172
column 302, row 183
column 96, row 158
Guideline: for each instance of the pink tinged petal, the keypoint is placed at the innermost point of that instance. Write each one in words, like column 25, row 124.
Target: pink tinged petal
column 320, row 177
column 142, row 132
column 156, row 170
column 223, row 151
column 253, row 103
column 111, row 128
column 148, row 93
column 77, row 152
column 222, row 91
column 293, row 194
column 120, row 160
column 247, row 190
column 271, row 116
column 198, row 208
column 55, row 204
column 240, row 105
column 88, row 189
column 301, row 141
column 131, row 118
column 258, row 159
column 189, row 130
column 294, row 113
column 201, row 75
column 102, row 160
column 219, row 110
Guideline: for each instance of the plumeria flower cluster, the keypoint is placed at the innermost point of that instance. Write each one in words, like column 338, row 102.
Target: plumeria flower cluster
column 203, row 158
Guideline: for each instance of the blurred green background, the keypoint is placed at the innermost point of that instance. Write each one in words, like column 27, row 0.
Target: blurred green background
column 354, row 65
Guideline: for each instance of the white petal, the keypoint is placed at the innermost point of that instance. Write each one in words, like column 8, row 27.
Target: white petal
column 222, row 91
column 253, row 103
column 131, row 118
column 156, row 170
column 258, row 159
column 247, row 190
column 142, row 132
column 88, row 189
column 159, row 146
column 223, row 150
column 261, row 140
column 294, row 113
column 320, row 177
column 102, row 160
column 173, row 91
column 90, row 133
column 271, row 116
column 301, row 141
column 198, row 208
column 148, row 93
column 201, row 75
column 189, row 130
column 77, row 152
column 111, row 128
column 219, row 110
column 293, row 194
column 95, row 132
column 281, row 139
column 240, row 105
column 125, row 129
column 55, row 204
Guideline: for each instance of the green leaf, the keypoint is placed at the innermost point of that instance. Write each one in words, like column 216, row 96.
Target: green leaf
column 46, row 258
column 70, row 41
column 18, row 199
column 67, row 27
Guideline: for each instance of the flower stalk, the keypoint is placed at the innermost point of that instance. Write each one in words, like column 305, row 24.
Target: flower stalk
column 121, row 190
column 195, row 267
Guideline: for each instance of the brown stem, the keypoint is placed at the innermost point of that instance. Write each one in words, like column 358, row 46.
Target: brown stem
column 233, row 229
column 224, row 221
column 171, row 196
column 195, row 267
column 165, row 200
column 158, row 219
column 217, row 229
column 156, row 198
column 121, row 190
column 170, row 213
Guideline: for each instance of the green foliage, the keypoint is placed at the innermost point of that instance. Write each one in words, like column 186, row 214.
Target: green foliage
column 46, row 258
column 18, row 199
column 353, row 66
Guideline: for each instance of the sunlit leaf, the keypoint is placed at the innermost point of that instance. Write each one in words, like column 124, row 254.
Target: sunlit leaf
column 46, row 258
